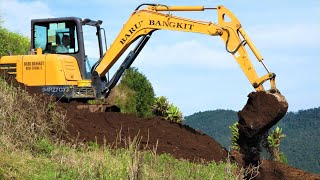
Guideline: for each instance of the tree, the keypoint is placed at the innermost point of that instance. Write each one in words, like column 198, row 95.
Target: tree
column 143, row 93
column 13, row 43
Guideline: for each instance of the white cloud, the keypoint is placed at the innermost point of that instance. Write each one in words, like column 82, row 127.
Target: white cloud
column 17, row 15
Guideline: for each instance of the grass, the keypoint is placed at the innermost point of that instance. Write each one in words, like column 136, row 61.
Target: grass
column 104, row 163
column 31, row 148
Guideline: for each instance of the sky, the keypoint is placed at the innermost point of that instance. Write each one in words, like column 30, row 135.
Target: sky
column 194, row 71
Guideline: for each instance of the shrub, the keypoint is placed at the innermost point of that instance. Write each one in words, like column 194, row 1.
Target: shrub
column 160, row 106
column 174, row 114
column 13, row 43
column 235, row 136
column 137, row 91
column 273, row 142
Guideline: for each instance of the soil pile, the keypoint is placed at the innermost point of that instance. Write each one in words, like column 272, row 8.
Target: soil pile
column 262, row 111
column 271, row 170
column 156, row 133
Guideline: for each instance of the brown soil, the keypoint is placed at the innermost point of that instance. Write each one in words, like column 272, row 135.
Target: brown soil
column 262, row 111
column 271, row 170
column 167, row 137
column 156, row 133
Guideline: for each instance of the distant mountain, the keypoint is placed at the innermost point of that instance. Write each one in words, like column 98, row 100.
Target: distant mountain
column 302, row 129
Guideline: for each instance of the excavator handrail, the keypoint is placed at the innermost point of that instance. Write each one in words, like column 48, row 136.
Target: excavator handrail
column 145, row 21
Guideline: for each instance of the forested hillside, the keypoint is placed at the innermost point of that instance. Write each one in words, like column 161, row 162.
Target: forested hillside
column 214, row 123
column 301, row 145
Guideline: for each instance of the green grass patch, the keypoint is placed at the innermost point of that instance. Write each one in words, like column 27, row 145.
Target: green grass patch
column 104, row 163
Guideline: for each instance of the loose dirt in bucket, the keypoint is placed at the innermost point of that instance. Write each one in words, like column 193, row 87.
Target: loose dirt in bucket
column 262, row 111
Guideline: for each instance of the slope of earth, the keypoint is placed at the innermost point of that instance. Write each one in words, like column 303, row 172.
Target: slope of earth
column 156, row 133
column 271, row 170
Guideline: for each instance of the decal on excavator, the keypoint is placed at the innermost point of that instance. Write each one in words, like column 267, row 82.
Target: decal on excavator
column 131, row 31
column 171, row 24
column 36, row 65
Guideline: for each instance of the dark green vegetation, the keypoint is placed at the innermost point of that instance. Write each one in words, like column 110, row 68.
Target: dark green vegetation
column 301, row 145
column 134, row 93
column 161, row 107
column 214, row 123
column 12, row 43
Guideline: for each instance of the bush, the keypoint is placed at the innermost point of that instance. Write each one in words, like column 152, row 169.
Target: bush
column 174, row 114
column 235, row 136
column 160, row 106
column 13, row 43
column 273, row 141
column 135, row 87
column 125, row 99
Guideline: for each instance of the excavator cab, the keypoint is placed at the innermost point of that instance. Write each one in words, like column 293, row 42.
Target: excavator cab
column 48, row 35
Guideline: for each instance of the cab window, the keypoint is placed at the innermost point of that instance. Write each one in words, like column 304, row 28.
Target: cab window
column 56, row 37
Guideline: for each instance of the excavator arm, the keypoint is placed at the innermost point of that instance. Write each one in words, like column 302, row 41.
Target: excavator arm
column 144, row 22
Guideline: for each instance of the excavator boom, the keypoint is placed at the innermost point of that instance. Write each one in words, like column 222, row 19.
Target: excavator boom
column 144, row 22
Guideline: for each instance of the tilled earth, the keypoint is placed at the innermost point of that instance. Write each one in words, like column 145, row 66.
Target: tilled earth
column 116, row 129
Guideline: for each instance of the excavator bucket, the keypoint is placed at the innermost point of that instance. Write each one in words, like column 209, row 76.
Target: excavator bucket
column 262, row 111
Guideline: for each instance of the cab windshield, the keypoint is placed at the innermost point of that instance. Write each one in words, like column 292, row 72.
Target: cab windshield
column 56, row 37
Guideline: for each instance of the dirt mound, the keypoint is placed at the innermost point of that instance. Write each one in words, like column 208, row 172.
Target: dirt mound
column 271, row 170
column 168, row 137
column 262, row 111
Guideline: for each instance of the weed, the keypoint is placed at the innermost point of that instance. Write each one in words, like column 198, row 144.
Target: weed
column 43, row 147
column 93, row 145
column 273, row 145
column 235, row 136
column 174, row 114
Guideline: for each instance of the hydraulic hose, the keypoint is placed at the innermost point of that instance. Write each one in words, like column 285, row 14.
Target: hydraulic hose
column 242, row 43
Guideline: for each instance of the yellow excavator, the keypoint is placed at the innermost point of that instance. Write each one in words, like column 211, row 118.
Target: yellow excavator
column 63, row 73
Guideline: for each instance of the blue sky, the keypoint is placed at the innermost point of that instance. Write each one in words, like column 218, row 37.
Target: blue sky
column 194, row 71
